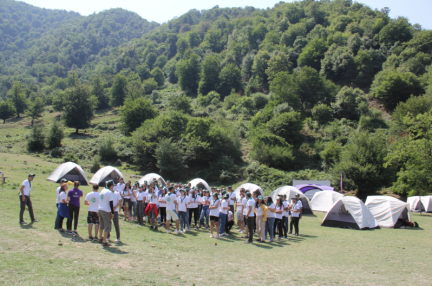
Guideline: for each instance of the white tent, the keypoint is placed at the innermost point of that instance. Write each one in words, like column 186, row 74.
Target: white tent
column 423, row 203
column 69, row 171
column 150, row 177
column 249, row 187
column 324, row 200
column 200, row 183
column 105, row 174
column 349, row 212
column 387, row 210
column 290, row 192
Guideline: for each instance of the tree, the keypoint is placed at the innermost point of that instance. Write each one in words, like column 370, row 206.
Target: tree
column 106, row 149
column 312, row 54
column 7, row 110
column 158, row 76
column 99, row 92
column 188, row 72
column 368, row 63
column 171, row 44
column 78, row 107
column 260, row 64
column 134, row 112
column 55, row 135
column 278, row 63
column 338, row 64
column 169, row 156
column 322, row 113
column 348, row 101
column 272, row 150
column 392, row 87
column 396, row 31
column 18, row 98
column 36, row 140
column 180, row 103
column 286, row 125
column 291, row 34
column 149, row 85
column 230, row 78
column 118, row 90
column 143, row 72
column 182, row 46
column 150, row 60
column 209, row 75
column 283, row 88
column 35, row 109
column 194, row 39
column 213, row 41
column 161, row 61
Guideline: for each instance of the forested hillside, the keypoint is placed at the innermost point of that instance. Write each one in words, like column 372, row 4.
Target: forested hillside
column 305, row 90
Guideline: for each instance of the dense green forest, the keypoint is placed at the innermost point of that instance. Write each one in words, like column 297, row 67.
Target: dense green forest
column 304, row 90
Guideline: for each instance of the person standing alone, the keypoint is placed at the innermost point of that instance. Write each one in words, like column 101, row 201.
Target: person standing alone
column 24, row 196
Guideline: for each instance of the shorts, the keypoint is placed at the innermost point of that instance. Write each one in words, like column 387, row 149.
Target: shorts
column 151, row 214
column 92, row 218
column 105, row 221
column 215, row 218
column 172, row 214
column 239, row 216
column 126, row 203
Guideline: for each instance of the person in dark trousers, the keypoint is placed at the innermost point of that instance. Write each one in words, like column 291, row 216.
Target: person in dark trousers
column 62, row 181
column 250, row 214
column 74, row 198
column 230, row 223
column 24, row 196
column 106, row 212
column 295, row 215
column 62, row 210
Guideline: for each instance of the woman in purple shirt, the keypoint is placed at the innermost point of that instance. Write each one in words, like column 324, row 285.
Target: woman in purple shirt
column 74, row 197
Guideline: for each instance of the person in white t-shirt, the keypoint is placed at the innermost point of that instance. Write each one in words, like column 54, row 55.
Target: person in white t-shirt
column 133, row 201
column 278, row 217
column 92, row 200
column 295, row 214
column 117, row 201
column 151, row 209
column 271, row 208
column 230, row 222
column 231, row 199
column 214, row 214
column 182, row 203
column 261, row 212
column 24, row 196
column 140, row 204
column 162, row 206
column 300, row 204
column 194, row 198
column 120, row 188
column 106, row 212
column 62, row 181
column 171, row 202
column 240, row 216
column 223, row 215
column 250, row 214
column 285, row 215
column 205, row 212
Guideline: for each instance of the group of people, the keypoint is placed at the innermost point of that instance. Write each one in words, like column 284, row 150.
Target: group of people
column 161, row 206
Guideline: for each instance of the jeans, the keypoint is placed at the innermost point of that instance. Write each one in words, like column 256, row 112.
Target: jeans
column 250, row 223
column 23, row 204
column 195, row 214
column 285, row 224
column 295, row 221
column 269, row 227
column 205, row 213
column 132, row 209
column 115, row 220
column 162, row 214
column 73, row 216
column 57, row 219
column 183, row 220
column 222, row 222
column 140, row 210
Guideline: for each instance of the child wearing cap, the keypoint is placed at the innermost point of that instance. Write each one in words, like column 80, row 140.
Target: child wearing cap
column 214, row 214
column 223, row 216
column 182, row 202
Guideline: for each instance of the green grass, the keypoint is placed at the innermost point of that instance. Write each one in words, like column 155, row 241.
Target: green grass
column 32, row 255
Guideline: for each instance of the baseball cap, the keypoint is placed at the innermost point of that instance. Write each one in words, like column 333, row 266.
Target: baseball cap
column 31, row 175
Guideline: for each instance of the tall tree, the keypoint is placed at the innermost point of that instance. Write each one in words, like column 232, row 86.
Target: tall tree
column 7, row 110
column 18, row 98
column 134, row 112
column 230, row 78
column 36, row 108
column 118, row 90
column 99, row 92
column 210, row 75
column 78, row 107
column 158, row 76
column 188, row 72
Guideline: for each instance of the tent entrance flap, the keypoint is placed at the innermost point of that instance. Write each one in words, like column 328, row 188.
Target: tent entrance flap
column 73, row 175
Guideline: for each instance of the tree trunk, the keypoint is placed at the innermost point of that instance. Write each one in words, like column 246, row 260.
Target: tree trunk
column 18, row 116
column 4, row 121
column 32, row 122
column 76, row 131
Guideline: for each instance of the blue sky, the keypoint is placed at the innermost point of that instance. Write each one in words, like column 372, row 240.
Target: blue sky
column 417, row 11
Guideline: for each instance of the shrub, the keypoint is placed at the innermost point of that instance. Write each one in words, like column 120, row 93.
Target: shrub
column 70, row 157
column 36, row 141
column 55, row 135
column 322, row 113
column 106, row 149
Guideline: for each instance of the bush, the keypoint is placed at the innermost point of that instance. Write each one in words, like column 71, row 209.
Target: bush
column 272, row 150
column 180, row 103
column 69, row 157
column 169, row 157
column 96, row 165
column 36, row 141
column 322, row 113
column 57, row 152
column 134, row 112
column 55, row 135
column 106, row 149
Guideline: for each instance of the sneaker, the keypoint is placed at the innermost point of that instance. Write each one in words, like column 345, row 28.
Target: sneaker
column 75, row 232
column 184, row 230
column 222, row 235
column 290, row 232
column 117, row 241
column 151, row 227
column 285, row 237
column 296, row 234
column 416, row 224
column 23, row 222
column 61, row 230
column 68, row 232
column 156, row 228
column 279, row 238
column 168, row 231
column 96, row 239
column 178, row 231
column 271, row 240
column 247, row 242
column 241, row 231
column 35, row 220
column 217, row 236
column 189, row 229
column 196, row 228
column 211, row 236
column 91, row 237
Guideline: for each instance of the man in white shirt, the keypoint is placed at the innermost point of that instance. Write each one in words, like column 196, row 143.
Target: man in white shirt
column 106, row 212
column 295, row 215
column 171, row 202
column 117, row 200
column 298, row 201
column 92, row 200
column 231, row 199
column 285, row 214
column 240, row 216
column 250, row 207
column 120, row 188
column 24, row 196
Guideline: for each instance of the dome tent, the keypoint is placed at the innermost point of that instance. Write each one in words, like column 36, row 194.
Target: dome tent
column 69, row 171
column 324, row 200
column 105, row 174
column 249, row 187
column 423, row 203
column 290, row 192
column 309, row 190
column 349, row 212
column 200, row 183
column 388, row 210
column 150, row 177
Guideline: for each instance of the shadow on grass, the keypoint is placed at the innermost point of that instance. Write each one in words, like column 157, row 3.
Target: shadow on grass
column 307, row 235
column 114, row 250
column 82, row 136
column 27, row 226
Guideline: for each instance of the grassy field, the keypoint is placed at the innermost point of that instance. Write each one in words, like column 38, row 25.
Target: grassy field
column 36, row 254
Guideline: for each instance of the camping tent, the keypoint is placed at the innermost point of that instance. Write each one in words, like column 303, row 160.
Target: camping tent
column 290, row 192
column 324, row 200
column 249, row 187
column 387, row 210
column 105, row 174
column 69, row 171
column 309, row 190
column 150, row 177
column 349, row 212
column 200, row 183
column 423, row 203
